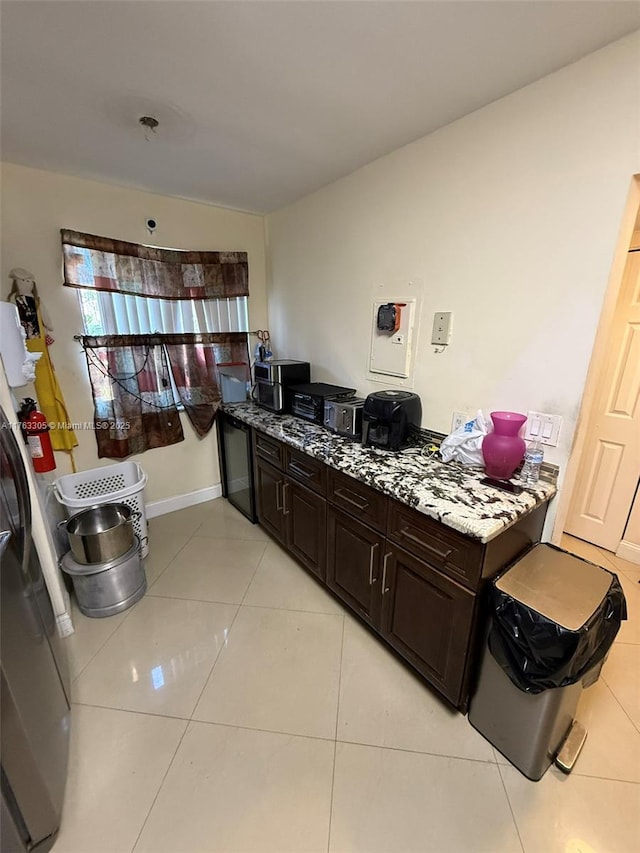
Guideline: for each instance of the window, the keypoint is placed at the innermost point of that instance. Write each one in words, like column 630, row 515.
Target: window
column 107, row 313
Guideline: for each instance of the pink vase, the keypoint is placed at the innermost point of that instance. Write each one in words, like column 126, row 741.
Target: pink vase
column 503, row 448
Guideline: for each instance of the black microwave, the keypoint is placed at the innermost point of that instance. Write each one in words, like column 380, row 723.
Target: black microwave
column 272, row 379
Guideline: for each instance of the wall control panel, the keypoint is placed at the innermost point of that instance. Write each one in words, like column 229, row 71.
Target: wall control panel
column 391, row 337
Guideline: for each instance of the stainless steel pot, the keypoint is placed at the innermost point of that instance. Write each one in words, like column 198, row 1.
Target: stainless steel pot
column 107, row 588
column 101, row 533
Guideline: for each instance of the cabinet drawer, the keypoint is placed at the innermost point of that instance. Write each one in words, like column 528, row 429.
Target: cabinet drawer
column 450, row 552
column 357, row 499
column 311, row 472
column 269, row 448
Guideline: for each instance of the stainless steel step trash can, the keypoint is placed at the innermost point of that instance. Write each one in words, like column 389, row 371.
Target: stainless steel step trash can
column 554, row 617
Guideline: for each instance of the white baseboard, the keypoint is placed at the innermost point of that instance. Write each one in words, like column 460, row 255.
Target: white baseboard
column 64, row 625
column 162, row 507
column 629, row 551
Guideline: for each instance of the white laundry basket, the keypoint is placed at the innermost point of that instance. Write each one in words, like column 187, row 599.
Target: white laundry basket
column 122, row 482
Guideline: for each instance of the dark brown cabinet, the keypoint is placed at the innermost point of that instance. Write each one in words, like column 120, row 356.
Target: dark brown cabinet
column 353, row 564
column 269, row 482
column 305, row 525
column 416, row 582
column 427, row 618
column 293, row 514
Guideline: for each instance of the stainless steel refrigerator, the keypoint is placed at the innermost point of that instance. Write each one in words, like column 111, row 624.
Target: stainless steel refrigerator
column 34, row 697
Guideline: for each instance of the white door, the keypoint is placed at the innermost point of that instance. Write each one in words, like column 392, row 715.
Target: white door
column 610, row 467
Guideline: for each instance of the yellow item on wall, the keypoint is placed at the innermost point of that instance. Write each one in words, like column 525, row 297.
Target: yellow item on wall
column 48, row 392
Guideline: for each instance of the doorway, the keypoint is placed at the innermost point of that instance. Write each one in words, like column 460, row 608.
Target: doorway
column 601, row 499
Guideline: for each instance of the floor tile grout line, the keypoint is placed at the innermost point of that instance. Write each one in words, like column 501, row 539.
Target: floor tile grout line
column 513, row 814
column 327, row 739
column 215, row 661
column 171, row 561
column 335, row 740
column 255, row 572
column 613, row 693
column 489, row 761
column 131, row 711
column 251, row 606
column 160, row 786
column 576, row 773
column 187, row 720
column 333, row 782
column 127, row 613
column 340, row 677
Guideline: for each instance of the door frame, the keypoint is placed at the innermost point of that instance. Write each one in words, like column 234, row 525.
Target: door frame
column 628, row 236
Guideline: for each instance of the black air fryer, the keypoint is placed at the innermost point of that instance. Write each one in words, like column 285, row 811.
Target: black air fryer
column 387, row 417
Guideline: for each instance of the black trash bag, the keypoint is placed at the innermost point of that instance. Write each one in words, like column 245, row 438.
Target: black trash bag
column 538, row 654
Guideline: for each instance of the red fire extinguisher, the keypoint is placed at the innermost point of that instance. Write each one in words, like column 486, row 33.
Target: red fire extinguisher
column 36, row 429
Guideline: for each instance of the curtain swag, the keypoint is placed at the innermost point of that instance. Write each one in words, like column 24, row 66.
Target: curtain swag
column 132, row 394
column 100, row 263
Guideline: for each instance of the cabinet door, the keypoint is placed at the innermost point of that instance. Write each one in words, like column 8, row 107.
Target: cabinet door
column 427, row 618
column 305, row 519
column 353, row 564
column 269, row 486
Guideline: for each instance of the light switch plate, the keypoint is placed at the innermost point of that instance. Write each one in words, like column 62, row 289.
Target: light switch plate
column 542, row 427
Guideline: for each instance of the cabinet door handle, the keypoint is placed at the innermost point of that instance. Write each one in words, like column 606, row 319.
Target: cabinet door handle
column 300, row 470
column 385, row 588
column 278, row 499
column 372, row 580
column 342, row 493
column 441, row 555
column 285, row 487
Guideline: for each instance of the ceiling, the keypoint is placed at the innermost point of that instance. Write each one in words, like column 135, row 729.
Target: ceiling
column 260, row 103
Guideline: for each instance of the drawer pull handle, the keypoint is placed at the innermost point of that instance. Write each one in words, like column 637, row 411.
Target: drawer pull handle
column 268, row 451
column 278, row 499
column 302, row 472
column 344, row 494
column 285, row 511
column 441, row 555
column 385, row 588
column 372, row 580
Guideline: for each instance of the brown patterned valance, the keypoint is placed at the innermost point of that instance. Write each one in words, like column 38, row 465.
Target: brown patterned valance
column 100, row 263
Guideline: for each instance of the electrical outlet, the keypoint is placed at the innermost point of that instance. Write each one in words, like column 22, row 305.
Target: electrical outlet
column 441, row 332
column 458, row 419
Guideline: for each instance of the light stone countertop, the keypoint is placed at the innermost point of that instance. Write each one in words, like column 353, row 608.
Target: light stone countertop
column 448, row 492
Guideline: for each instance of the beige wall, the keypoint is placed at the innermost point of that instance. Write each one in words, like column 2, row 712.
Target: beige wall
column 35, row 206
column 508, row 218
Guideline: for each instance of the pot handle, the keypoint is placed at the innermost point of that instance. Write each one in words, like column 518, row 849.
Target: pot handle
column 62, row 524
column 136, row 515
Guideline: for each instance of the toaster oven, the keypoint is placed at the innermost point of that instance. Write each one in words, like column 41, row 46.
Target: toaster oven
column 344, row 416
column 307, row 401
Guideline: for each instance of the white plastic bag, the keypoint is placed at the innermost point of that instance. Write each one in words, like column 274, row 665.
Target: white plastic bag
column 465, row 444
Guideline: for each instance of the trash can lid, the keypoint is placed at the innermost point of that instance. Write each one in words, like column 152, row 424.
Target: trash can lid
column 556, row 584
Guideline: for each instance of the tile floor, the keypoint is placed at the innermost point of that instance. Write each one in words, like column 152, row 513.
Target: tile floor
column 238, row 707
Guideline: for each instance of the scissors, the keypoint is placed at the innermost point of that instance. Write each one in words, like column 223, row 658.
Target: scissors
column 263, row 336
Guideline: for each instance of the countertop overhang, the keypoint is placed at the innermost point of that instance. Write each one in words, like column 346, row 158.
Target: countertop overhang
column 447, row 492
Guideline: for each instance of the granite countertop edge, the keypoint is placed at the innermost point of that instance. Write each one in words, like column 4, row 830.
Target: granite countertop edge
column 446, row 492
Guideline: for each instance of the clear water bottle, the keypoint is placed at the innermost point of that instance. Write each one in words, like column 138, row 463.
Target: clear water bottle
column 533, row 457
